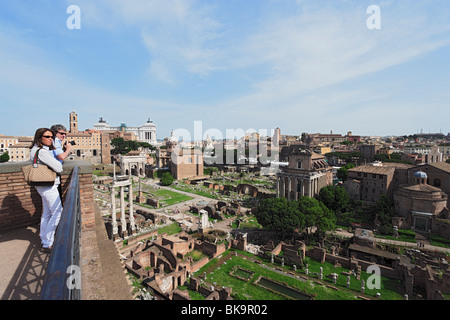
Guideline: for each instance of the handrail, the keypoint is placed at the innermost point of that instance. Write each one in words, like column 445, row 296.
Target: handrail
column 63, row 277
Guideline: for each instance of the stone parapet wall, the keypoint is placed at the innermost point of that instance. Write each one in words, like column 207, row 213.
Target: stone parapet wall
column 21, row 205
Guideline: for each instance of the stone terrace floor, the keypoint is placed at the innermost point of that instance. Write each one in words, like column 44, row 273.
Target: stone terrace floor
column 23, row 265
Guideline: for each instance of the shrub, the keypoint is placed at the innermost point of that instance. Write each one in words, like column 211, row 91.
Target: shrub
column 167, row 179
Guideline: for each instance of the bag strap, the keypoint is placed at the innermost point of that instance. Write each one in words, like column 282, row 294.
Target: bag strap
column 36, row 158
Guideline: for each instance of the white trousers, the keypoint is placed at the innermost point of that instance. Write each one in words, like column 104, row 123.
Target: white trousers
column 51, row 213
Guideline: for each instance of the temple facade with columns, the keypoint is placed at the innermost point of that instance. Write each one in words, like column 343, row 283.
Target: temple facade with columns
column 127, row 226
column 306, row 173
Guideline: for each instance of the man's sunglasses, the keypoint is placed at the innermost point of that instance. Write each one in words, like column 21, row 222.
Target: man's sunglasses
column 62, row 133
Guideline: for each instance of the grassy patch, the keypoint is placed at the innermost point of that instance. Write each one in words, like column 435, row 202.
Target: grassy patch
column 170, row 229
column 192, row 294
column 253, row 291
column 403, row 235
column 100, row 173
column 168, row 198
column 250, row 223
column 206, row 193
column 388, row 288
column 241, row 273
column 439, row 241
column 219, row 273
column 196, row 255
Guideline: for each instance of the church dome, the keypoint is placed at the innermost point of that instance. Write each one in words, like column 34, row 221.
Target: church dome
column 172, row 138
column 420, row 175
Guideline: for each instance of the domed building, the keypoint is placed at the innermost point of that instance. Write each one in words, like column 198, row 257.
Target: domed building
column 421, row 206
column 171, row 142
column 420, row 177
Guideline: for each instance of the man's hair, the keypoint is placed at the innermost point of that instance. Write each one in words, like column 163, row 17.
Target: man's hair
column 56, row 127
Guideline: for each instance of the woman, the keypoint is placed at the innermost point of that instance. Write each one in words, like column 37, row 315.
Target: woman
column 51, row 201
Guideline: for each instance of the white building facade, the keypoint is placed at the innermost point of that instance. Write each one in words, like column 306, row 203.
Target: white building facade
column 144, row 133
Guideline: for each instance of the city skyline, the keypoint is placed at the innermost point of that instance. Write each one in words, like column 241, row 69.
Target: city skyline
column 302, row 66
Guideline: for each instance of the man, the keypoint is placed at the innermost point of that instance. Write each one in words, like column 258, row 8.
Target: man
column 62, row 149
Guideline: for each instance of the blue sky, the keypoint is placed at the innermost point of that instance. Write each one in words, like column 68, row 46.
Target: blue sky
column 302, row 66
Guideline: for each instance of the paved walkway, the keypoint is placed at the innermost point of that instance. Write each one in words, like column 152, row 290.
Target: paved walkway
column 23, row 265
column 426, row 246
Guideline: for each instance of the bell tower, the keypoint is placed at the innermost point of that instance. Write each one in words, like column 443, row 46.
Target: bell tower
column 73, row 121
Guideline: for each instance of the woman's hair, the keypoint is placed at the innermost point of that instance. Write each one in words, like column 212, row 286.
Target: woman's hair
column 38, row 138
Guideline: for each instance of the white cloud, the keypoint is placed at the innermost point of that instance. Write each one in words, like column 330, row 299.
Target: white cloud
column 159, row 70
column 42, row 94
column 307, row 52
column 308, row 63
column 177, row 33
column 323, row 48
column 303, row 50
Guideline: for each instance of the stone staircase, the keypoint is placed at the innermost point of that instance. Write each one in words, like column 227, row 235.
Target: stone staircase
column 422, row 238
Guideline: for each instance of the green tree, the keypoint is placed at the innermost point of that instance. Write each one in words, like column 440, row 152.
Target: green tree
column 167, row 179
column 122, row 146
column 308, row 208
column 385, row 210
column 316, row 215
column 146, row 145
column 132, row 145
column 278, row 214
column 119, row 146
column 283, row 216
column 342, row 172
column 346, row 156
column 4, row 157
column 335, row 198
column 326, row 221
column 347, row 142
column 393, row 157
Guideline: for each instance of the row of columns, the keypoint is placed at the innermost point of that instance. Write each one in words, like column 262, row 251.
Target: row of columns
column 123, row 220
column 303, row 186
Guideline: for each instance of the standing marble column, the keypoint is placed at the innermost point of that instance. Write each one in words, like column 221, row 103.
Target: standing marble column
column 113, row 212
column 313, row 187
column 123, row 220
column 310, row 194
column 296, row 190
column 130, row 200
column 289, row 189
column 278, row 186
column 316, row 186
